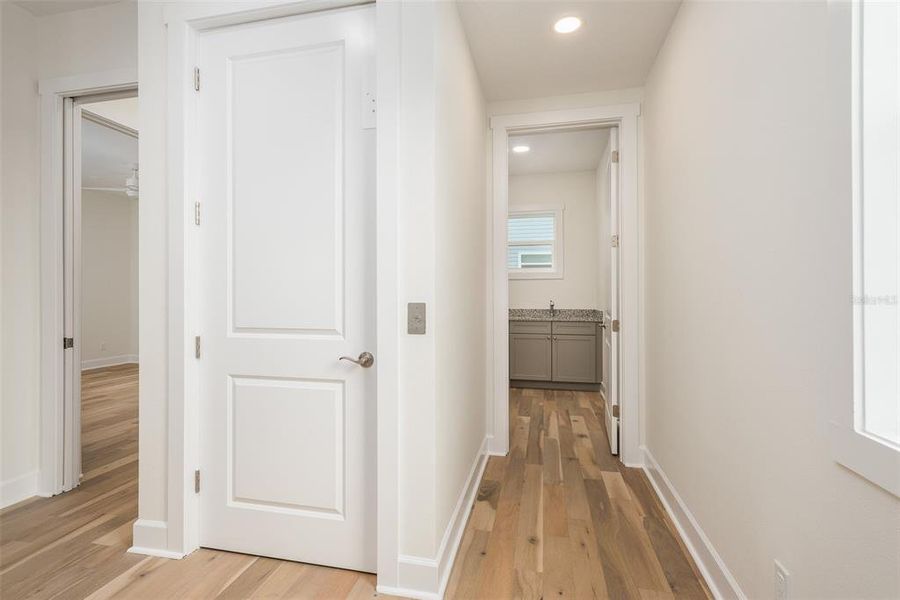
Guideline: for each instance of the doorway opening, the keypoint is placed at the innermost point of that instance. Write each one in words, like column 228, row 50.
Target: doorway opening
column 562, row 265
column 103, row 259
column 89, row 282
column 566, row 291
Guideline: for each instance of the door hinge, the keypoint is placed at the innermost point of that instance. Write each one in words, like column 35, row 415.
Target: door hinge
column 196, row 79
column 614, row 157
column 615, row 241
column 197, row 346
column 197, row 481
column 615, row 413
column 196, row 213
column 68, row 343
column 615, row 326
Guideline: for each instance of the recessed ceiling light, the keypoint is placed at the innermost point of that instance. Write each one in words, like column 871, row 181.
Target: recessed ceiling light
column 567, row 25
column 521, row 149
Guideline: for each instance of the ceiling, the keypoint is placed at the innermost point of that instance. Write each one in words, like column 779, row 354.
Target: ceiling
column 518, row 54
column 42, row 8
column 558, row 152
column 123, row 111
column 107, row 157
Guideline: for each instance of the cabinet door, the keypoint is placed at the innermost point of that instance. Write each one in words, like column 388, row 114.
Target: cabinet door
column 575, row 358
column 529, row 356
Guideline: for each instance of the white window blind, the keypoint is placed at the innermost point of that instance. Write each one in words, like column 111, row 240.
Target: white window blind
column 533, row 243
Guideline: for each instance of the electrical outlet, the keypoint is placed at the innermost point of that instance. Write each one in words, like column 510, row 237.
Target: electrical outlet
column 782, row 582
column 102, row 346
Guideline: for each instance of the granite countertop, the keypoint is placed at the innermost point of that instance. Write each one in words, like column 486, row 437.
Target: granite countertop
column 560, row 314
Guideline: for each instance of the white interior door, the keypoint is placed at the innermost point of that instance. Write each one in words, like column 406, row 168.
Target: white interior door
column 610, row 336
column 71, row 463
column 286, row 240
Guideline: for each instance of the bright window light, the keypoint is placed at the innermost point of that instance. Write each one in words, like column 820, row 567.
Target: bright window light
column 520, row 149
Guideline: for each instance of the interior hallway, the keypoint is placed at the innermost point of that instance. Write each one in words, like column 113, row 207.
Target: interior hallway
column 560, row 517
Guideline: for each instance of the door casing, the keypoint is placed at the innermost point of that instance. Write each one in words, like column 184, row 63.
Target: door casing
column 60, row 435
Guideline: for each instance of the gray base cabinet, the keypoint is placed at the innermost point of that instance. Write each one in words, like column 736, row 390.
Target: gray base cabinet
column 574, row 359
column 563, row 352
column 529, row 357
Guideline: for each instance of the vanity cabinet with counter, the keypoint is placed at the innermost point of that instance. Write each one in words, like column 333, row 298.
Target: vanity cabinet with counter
column 558, row 352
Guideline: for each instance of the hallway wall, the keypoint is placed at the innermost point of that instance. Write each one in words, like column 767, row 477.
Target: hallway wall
column 34, row 48
column 748, row 333
column 576, row 193
column 109, row 223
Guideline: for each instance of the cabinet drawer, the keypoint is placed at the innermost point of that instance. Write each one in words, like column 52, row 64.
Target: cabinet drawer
column 567, row 328
column 529, row 326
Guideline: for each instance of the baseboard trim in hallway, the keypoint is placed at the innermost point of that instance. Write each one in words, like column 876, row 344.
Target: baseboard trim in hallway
column 718, row 577
column 427, row 578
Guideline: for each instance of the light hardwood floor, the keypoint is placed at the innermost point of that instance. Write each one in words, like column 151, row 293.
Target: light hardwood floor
column 74, row 545
column 558, row 517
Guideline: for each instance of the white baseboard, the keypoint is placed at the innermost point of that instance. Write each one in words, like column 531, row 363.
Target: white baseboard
column 405, row 593
column 721, row 582
column 108, row 361
column 151, row 538
column 18, row 488
column 426, row 578
column 155, row 552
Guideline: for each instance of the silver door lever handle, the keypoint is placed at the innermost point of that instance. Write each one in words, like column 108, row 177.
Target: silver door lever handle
column 365, row 359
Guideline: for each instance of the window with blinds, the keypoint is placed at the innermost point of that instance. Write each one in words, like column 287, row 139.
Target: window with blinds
column 533, row 247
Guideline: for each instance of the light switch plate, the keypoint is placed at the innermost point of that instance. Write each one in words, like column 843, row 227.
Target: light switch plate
column 415, row 318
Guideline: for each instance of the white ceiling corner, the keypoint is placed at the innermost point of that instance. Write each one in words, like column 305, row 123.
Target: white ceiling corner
column 519, row 56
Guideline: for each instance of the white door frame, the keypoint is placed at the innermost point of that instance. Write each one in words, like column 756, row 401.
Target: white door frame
column 625, row 117
column 59, row 435
column 184, row 24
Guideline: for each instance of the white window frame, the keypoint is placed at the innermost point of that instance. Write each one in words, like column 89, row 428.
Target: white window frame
column 557, row 271
column 874, row 458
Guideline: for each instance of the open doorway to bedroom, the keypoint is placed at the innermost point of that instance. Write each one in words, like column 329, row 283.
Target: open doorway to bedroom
column 106, row 288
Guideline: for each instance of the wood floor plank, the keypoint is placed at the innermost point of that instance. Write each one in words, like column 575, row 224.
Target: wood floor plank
column 603, row 532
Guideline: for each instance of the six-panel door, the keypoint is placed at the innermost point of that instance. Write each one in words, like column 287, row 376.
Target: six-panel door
column 286, row 243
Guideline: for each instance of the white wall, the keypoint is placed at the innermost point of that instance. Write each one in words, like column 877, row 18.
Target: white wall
column 109, row 225
column 461, row 264
column 88, row 40
column 153, row 277
column 607, row 98
column 443, row 262
column 748, row 333
column 64, row 44
column 576, row 192
column 19, row 298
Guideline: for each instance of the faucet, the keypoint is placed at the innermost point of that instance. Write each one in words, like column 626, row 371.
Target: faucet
column 552, row 307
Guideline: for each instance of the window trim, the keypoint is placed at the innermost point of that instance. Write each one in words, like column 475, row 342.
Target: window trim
column 558, row 269
column 874, row 458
